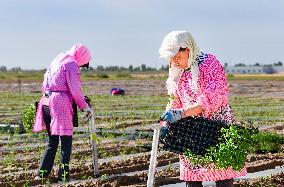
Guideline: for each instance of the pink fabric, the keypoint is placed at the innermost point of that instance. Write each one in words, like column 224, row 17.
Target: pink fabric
column 115, row 92
column 213, row 91
column 207, row 174
column 80, row 53
column 212, row 95
column 39, row 124
column 65, row 86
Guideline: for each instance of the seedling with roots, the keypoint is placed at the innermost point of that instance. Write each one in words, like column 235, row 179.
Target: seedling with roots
column 65, row 173
column 169, row 167
column 104, row 177
column 42, row 175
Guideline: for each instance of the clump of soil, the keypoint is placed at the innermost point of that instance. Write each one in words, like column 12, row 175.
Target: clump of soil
column 169, row 176
column 260, row 162
column 274, row 180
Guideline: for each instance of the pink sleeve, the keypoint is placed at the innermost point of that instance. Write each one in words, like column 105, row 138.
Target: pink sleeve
column 213, row 83
column 74, row 84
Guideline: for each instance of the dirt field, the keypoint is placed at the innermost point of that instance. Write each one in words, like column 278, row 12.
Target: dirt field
column 124, row 154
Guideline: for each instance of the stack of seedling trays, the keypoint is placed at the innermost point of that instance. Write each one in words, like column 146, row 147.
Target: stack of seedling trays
column 194, row 133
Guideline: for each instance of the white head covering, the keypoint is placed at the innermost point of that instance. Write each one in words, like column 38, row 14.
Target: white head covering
column 170, row 47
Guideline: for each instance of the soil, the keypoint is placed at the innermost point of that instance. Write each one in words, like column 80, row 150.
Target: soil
column 274, row 180
column 82, row 169
column 253, row 88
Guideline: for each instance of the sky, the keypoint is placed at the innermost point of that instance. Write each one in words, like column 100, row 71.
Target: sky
column 124, row 32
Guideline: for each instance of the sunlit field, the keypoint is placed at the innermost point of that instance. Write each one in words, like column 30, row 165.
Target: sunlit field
column 124, row 127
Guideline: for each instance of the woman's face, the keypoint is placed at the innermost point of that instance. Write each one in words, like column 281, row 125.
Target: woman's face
column 180, row 60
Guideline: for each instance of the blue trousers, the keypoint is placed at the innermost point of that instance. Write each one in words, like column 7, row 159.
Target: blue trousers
column 47, row 160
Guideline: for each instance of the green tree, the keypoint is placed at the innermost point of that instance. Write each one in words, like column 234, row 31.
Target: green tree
column 100, row 68
column 143, row 67
column 279, row 63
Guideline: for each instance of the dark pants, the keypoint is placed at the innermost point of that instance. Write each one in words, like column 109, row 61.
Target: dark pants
column 223, row 183
column 47, row 160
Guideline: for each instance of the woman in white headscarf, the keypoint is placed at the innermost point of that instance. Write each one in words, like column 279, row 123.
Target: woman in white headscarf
column 198, row 87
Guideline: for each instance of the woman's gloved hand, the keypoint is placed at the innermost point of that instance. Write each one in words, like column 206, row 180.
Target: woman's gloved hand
column 87, row 113
column 164, row 129
column 172, row 115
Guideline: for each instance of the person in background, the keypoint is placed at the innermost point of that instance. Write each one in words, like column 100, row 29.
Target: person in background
column 61, row 86
column 197, row 86
column 117, row 91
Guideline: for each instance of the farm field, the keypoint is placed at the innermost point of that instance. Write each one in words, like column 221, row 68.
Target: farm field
column 124, row 132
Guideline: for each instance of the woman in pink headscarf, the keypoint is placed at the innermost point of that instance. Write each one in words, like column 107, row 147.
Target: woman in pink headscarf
column 60, row 87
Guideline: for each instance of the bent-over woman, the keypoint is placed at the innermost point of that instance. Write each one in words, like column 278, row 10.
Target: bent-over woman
column 198, row 87
column 61, row 87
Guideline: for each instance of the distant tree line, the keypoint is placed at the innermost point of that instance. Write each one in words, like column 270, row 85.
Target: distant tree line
column 142, row 68
column 130, row 68
column 15, row 69
column 279, row 63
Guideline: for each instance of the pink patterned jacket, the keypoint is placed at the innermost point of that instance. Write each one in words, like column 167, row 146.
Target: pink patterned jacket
column 212, row 94
column 65, row 86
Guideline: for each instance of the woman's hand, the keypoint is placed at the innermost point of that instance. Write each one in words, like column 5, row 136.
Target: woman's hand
column 172, row 115
column 88, row 112
column 193, row 111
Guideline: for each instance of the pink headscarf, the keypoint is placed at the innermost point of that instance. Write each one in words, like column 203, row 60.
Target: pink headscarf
column 80, row 53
